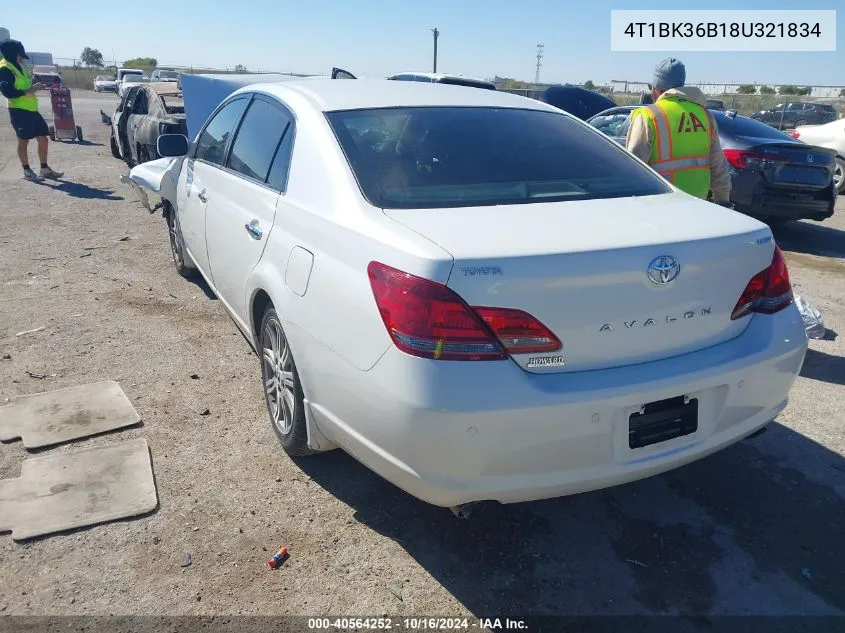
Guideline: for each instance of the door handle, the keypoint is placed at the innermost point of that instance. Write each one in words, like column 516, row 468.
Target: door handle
column 253, row 229
column 201, row 195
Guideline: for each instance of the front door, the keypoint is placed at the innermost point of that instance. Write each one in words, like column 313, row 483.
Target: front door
column 197, row 179
column 241, row 213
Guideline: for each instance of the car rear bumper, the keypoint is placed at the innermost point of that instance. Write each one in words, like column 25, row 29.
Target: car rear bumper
column 752, row 196
column 456, row 432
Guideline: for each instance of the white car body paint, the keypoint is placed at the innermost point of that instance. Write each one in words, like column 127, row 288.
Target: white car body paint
column 452, row 432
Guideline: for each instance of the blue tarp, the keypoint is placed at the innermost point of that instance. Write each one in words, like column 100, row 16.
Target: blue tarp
column 203, row 93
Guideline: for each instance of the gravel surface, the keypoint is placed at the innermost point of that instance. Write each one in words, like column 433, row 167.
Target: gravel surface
column 755, row 529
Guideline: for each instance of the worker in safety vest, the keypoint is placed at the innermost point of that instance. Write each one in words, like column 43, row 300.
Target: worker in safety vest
column 678, row 137
column 16, row 85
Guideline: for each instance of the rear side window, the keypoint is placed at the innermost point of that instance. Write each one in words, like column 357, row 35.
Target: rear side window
column 411, row 158
column 257, row 139
column 211, row 146
column 744, row 126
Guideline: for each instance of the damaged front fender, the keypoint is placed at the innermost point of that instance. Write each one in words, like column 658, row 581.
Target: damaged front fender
column 157, row 176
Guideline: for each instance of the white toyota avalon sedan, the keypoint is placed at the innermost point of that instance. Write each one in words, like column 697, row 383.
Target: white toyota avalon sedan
column 475, row 294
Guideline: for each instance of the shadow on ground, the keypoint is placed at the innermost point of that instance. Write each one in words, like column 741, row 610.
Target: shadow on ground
column 80, row 190
column 811, row 238
column 743, row 531
column 824, row 367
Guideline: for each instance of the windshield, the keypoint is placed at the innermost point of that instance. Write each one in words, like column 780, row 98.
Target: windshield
column 135, row 79
column 168, row 74
column 423, row 157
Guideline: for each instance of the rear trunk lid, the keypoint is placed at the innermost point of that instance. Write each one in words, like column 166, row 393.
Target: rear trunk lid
column 582, row 269
column 793, row 165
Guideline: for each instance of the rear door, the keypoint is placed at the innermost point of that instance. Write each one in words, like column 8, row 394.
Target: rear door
column 140, row 109
column 198, row 176
column 242, row 202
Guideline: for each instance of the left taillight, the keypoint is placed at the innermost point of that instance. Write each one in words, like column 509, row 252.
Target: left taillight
column 429, row 320
column 795, row 134
column 769, row 291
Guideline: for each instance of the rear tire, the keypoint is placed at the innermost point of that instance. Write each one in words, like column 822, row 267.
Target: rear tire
column 799, row 123
column 282, row 388
column 177, row 245
column 839, row 174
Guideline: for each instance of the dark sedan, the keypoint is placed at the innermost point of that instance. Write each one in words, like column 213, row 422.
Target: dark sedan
column 774, row 177
column 786, row 116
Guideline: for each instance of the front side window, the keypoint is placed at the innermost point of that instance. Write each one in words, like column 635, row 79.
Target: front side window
column 257, row 140
column 611, row 124
column 422, row 157
column 211, row 146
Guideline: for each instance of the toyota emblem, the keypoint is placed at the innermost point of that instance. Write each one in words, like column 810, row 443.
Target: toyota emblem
column 663, row 269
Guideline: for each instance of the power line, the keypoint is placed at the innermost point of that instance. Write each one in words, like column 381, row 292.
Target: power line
column 539, row 63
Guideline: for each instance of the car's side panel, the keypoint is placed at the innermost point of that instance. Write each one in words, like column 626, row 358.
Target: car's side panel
column 233, row 250
column 191, row 210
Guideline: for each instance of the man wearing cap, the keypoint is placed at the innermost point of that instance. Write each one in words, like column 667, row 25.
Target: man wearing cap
column 16, row 85
column 678, row 137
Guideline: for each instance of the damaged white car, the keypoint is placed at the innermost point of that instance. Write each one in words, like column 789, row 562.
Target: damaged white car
column 475, row 294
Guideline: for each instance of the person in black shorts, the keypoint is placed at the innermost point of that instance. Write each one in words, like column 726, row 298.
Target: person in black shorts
column 16, row 85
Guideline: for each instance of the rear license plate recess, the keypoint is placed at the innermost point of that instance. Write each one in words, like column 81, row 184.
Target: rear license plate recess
column 662, row 421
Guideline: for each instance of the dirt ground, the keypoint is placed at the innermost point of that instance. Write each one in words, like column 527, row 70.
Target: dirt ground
column 755, row 529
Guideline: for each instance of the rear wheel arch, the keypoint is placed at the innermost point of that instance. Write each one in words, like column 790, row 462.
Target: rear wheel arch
column 260, row 301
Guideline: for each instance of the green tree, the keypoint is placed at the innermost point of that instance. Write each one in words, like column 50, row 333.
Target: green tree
column 240, row 68
column 805, row 91
column 141, row 63
column 767, row 90
column 589, row 85
column 788, row 90
column 747, row 89
column 91, row 57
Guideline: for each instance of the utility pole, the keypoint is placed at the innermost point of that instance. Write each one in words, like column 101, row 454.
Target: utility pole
column 539, row 64
column 436, row 34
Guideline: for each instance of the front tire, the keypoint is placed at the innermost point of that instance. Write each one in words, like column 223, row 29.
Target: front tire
column 177, row 246
column 114, row 149
column 282, row 388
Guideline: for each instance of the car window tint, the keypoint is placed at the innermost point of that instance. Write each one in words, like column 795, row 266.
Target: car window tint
column 611, row 124
column 257, row 140
column 745, row 126
column 212, row 143
column 278, row 178
column 425, row 157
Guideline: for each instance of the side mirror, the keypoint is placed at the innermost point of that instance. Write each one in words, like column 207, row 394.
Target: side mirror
column 172, row 145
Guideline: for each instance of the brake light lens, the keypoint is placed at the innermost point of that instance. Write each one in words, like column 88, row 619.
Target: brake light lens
column 429, row 320
column 769, row 291
column 742, row 159
column 795, row 134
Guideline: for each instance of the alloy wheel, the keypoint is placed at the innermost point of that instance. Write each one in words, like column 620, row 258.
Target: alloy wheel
column 279, row 378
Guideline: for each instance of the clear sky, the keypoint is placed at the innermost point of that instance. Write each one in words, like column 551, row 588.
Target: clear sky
column 379, row 37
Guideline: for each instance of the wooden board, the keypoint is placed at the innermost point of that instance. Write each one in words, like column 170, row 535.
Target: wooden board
column 68, row 414
column 76, row 489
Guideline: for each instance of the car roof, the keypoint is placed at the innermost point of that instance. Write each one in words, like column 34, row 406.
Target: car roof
column 355, row 94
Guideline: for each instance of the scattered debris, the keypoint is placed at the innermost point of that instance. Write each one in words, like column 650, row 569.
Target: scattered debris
column 125, row 238
column 156, row 540
column 38, row 329
column 395, row 591
column 172, row 295
column 7, row 357
column 806, row 573
column 205, row 412
column 32, row 374
column 85, row 255
column 195, row 376
column 278, row 558
column 636, row 562
column 93, row 248
column 196, row 529
column 278, row 479
column 185, row 559
column 40, row 259
column 813, row 322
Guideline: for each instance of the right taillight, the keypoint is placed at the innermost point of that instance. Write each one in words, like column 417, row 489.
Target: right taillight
column 429, row 320
column 795, row 134
column 769, row 291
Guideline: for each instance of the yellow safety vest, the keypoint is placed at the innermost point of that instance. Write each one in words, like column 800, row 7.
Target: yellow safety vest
column 23, row 82
column 682, row 131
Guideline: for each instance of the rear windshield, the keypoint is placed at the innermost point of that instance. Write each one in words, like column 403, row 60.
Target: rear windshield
column 168, row 74
column 414, row 158
column 457, row 81
column 743, row 126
